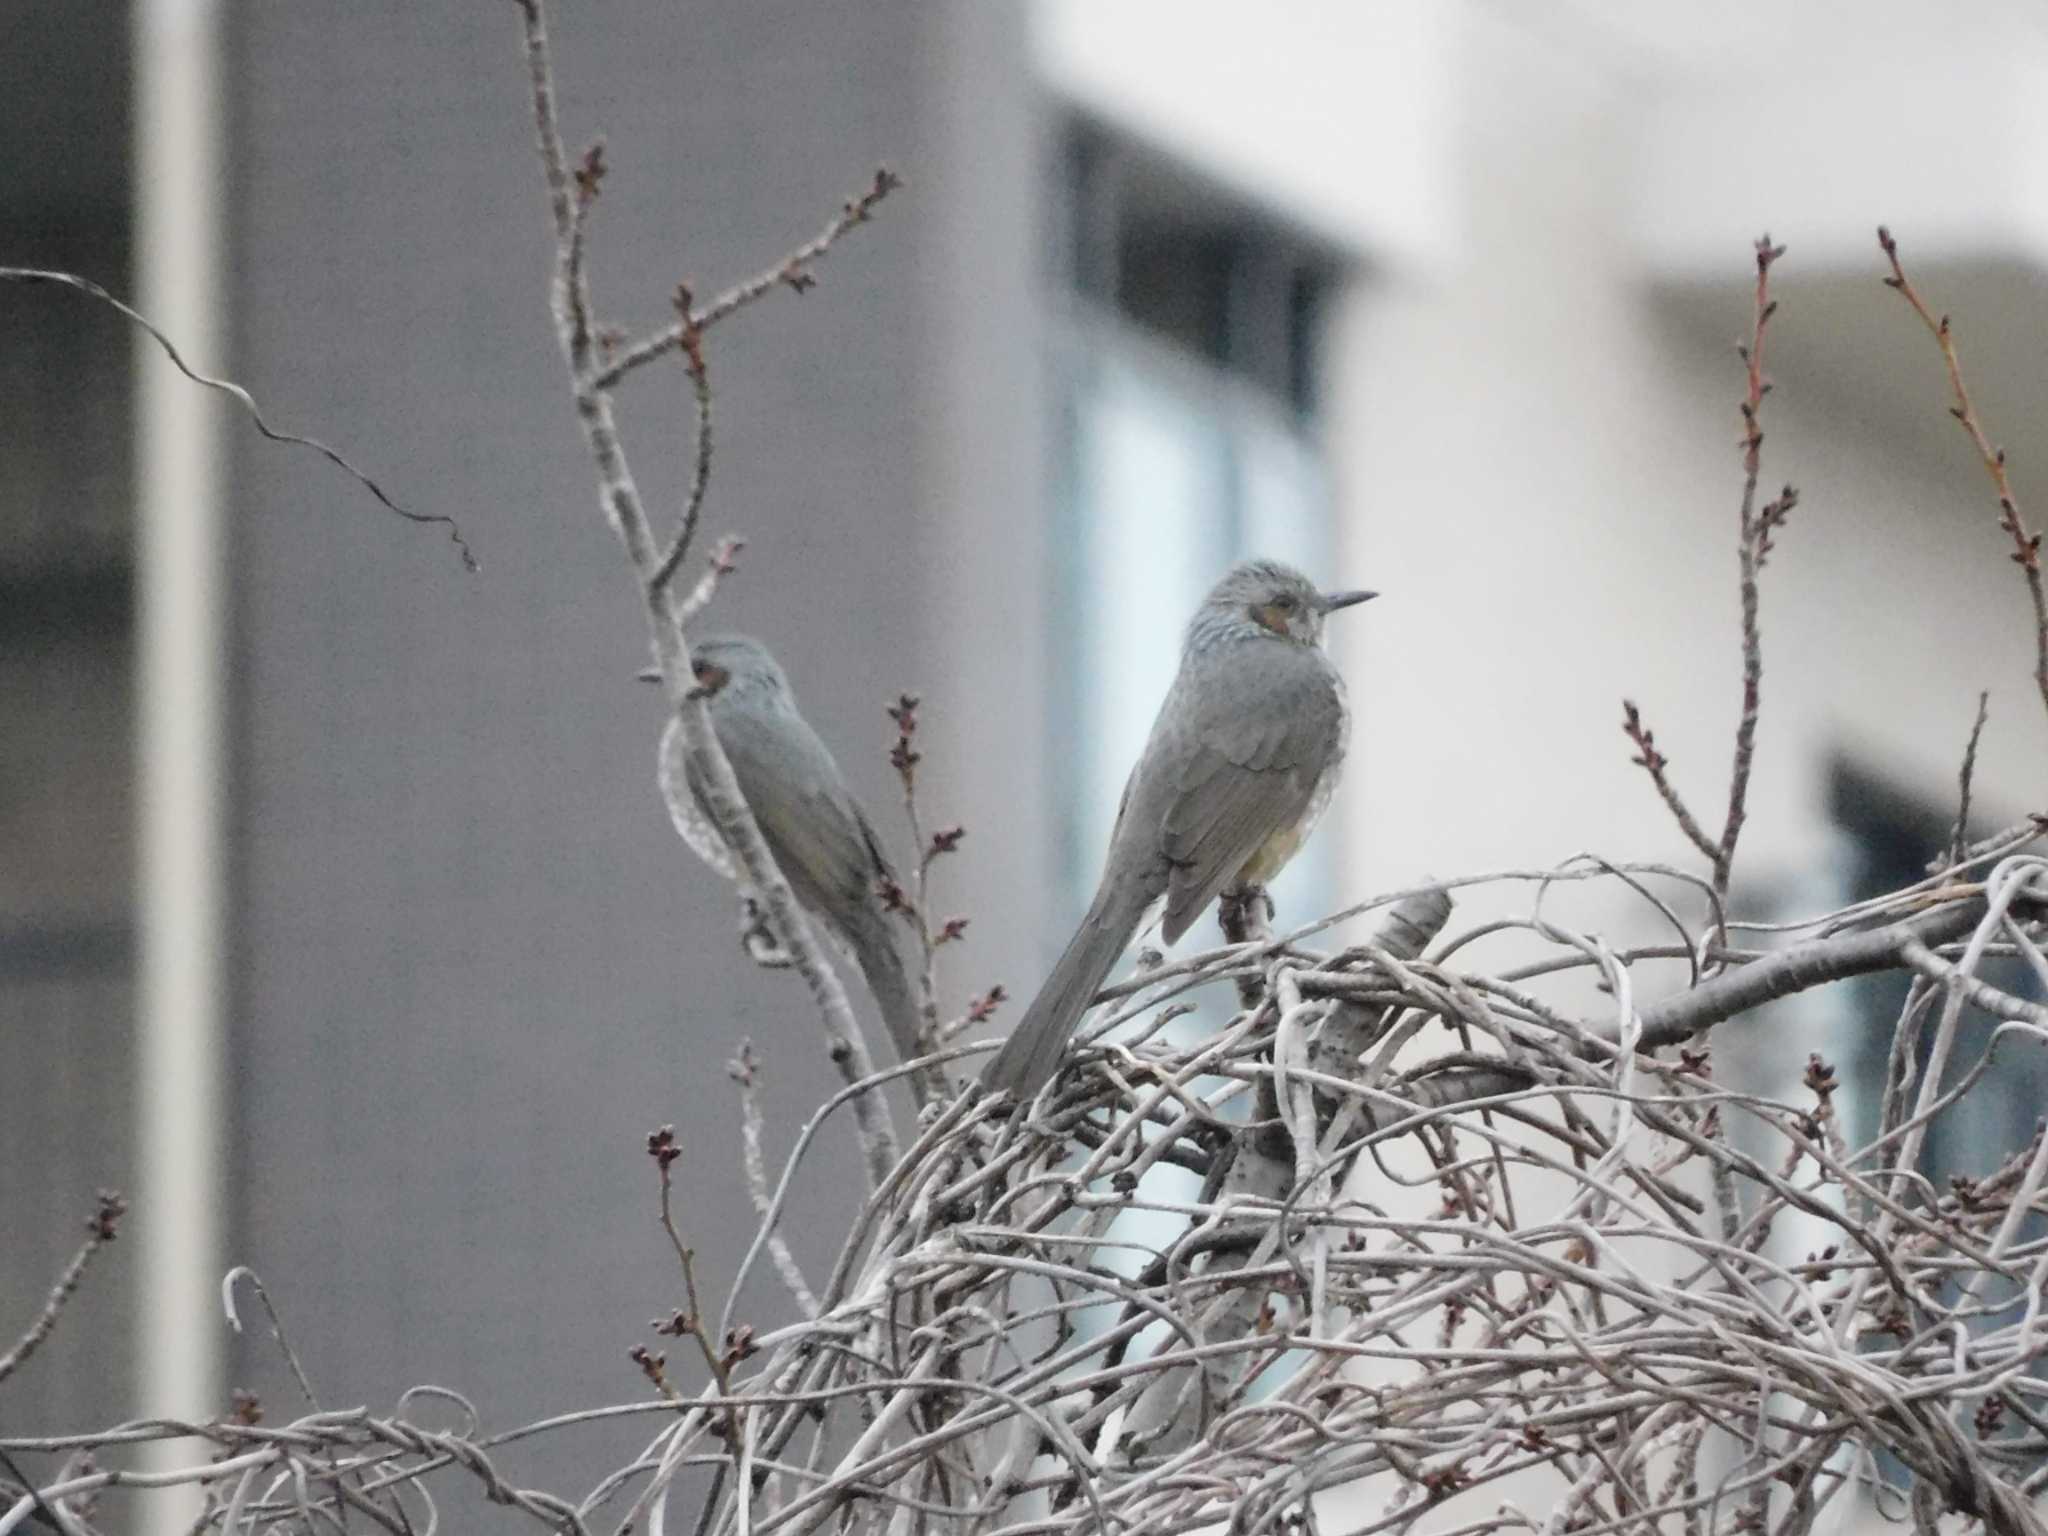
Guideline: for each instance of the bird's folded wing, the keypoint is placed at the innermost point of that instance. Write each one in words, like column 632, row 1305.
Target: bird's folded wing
column 813, row 827
column 691, row 824
column 1242, row 781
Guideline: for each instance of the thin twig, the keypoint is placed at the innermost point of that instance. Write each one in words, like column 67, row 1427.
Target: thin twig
column 700, row 468
column 284, row 1343
column 57, row 1519
column 100, row 1230
column 914, row 905
column 1753, row 546
column 744, row 1070
column 245, row 400
column 662, row 1147
column 590, row 176
column 1960, row 839
column 724, row 560
column 1654, row 762
column 2026, row 553
column 792, row 272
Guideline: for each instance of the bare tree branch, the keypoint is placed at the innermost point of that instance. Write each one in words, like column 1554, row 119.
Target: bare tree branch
column 1961, row 837
column 700, row 469
column 242, row 397
column 2026, row 553
column 1755, row 530
column 99, row 1231
column 620, row 497
column 792, row 272
column 1753, row 547
column 1654, row 762
column 1546, row 1300
column 1684, row 1015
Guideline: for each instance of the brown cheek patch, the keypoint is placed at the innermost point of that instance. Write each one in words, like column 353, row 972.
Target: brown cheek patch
column 710, row 678
column 1269, row 617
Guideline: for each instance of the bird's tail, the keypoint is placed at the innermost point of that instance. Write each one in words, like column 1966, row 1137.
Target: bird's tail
column 878, row 947
column 1032, row 1054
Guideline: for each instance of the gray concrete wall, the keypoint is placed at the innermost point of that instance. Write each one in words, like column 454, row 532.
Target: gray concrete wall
column 475, row 966
column 66, row 855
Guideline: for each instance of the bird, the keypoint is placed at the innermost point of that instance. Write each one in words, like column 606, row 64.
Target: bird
column 1242, row 759
column 821, row 839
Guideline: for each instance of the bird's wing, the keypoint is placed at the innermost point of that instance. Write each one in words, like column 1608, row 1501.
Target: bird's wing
column 1243, row 775
column 826, row 849
column 815, row 830
column 691, row 824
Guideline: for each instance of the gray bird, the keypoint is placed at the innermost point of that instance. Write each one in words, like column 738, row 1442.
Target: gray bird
column 816, row 830
column 1240, row 763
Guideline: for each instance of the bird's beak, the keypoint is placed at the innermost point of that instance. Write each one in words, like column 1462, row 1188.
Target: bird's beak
column 1332, row 601
column 649, row 674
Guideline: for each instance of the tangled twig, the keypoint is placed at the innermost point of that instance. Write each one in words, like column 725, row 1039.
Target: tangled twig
column 1529, row 1258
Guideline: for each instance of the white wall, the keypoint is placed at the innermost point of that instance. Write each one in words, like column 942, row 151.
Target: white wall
column 1330, row 114
column 1533, row 427
column 1536, row 448
column 1533, row 391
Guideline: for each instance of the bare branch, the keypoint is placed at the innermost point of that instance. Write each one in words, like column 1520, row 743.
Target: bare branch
column 792, row 272
column 100, row 1230
column 284, row 1344
column 242, row 397
column 620, row 496
column 744, row 1070
column 1754, row 544
column 2026, row 553
column 1801, row 968
column 1752, row 547
column 724, row 561
column 996, row 1347
column 700, row 472
column 1960, row 839
column 689, row 1323
column 1654, row 763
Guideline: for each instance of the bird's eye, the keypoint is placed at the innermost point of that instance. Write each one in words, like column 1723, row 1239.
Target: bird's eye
column 699, row 669
column 1286, row 602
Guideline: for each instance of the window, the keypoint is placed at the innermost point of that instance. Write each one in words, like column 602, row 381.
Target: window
column 1184, row 371
column 1184, row 379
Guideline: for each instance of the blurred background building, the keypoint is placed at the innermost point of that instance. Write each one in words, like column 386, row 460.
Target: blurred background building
column 340, row 923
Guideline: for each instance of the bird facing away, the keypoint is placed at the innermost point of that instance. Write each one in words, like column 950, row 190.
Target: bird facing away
column 816, row 830
column 1240, row 763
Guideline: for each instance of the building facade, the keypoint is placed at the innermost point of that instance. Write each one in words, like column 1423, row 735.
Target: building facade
column 1438, row 299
